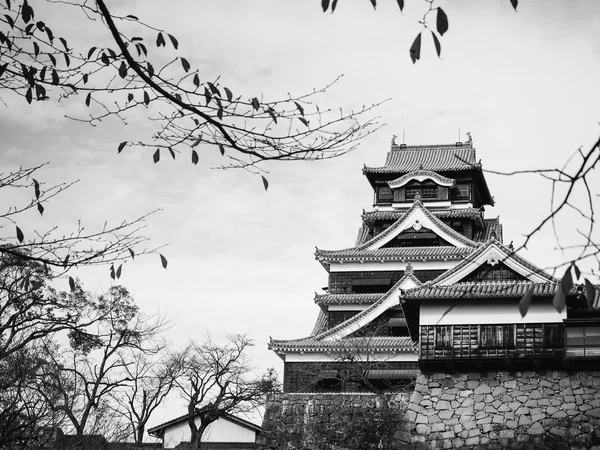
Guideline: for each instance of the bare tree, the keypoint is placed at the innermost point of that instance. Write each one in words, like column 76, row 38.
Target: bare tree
column 217, row 380
column 79, row 247
column 151, row 380
column 356, row 363
column 27, row 420
column 95, row 365
column 39, row 65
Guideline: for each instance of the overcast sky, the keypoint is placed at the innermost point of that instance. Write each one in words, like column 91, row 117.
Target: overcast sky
column 241, row 260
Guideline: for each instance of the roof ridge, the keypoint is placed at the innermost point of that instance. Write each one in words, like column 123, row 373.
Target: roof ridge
column 404, row 147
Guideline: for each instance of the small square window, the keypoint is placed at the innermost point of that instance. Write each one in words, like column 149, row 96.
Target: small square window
column 385, row 194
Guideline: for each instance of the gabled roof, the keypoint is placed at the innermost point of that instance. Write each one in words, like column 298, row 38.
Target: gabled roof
column 408, row 281
column 158, row 430
column 337, row 337
column 470, row 213
column 437, row 158
column 421, row 175
column 480, row 235
column 416, row 217
column 491, row 227
column 493, row 252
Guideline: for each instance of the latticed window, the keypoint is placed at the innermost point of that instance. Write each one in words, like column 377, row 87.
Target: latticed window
column 553, row 336
column 497, row 336
column 443, row 336
column 461, row 191
column 498, row 271
column 429, row 192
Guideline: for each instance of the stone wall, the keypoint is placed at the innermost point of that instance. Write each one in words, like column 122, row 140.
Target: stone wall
column 504, row 410
column 332, row 421
column 478, row 410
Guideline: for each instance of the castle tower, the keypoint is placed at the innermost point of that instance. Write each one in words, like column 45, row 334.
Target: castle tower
column 429, row 284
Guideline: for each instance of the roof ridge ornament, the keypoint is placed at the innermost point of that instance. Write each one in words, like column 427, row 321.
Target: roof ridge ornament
column 409, row 269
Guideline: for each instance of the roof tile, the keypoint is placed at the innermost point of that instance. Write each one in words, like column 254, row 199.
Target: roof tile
column 428, row 157
column 473, row 213
column 339, row 299
column 482, row 289
column 394, row 254
column 377, row 343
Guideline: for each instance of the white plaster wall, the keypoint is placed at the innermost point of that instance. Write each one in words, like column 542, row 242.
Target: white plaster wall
column 222, row 430
column 429, row 205
column 392, row 265
column 348, row 307
column 486, row 311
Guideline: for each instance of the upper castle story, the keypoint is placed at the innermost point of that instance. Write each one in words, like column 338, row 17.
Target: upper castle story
column 442, row 176
column 447, row 179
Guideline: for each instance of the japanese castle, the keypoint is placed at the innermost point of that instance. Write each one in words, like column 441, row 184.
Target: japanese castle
column 430, row 285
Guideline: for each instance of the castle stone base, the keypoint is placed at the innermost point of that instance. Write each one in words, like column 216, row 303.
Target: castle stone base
column 332, row 421
column 478, row 410
column 497, row 410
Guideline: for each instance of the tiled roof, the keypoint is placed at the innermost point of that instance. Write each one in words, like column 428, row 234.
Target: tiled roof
column 316, row 342
column 339, row 299
column 410, row 276
column 158, row 430
column 469, row 213
column 483, row 289
column 507, row 251
column 417, row 205
column 394, row 254
column 320, row 324
column 363, row 236
column 385, row 299
column 421, row 175
column 490, row 226
column 360, row 298
column 375, row 343
column 361, row 252
column 428, row 157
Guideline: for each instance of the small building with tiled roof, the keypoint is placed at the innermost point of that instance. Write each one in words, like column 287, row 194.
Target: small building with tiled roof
column 227, row 432
column 429, row 284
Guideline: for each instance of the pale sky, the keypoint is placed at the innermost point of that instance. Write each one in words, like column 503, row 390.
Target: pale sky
column 241, row 260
